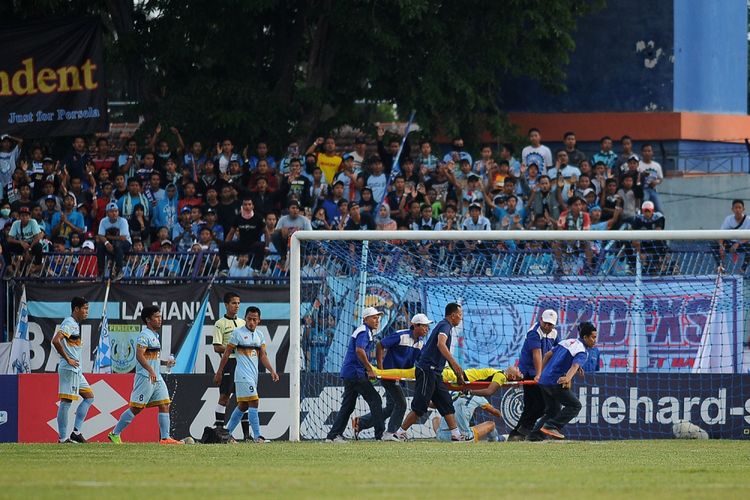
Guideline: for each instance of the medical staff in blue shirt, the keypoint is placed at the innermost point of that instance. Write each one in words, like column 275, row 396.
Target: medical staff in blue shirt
column 559, row 365
column 402, row 349
column 428, row 374
column 356, row 371
column 540, row 340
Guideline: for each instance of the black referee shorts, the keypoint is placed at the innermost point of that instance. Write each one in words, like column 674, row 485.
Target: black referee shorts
column 227, row 378
column 429, row 387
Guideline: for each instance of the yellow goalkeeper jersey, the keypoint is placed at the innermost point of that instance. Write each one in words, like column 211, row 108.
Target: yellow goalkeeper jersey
column 477, row 375
column 223, row 329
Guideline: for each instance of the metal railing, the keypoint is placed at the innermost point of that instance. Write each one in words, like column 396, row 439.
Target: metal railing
column 342, row 258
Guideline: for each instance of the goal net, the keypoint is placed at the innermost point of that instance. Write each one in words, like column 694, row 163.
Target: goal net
column 668, row 306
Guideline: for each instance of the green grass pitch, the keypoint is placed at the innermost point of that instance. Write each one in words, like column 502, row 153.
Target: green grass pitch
column 616, row 469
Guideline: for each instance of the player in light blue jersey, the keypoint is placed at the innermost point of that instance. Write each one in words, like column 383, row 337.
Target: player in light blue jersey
column 250, row 346
column 72, row 383
column 465, row 406
column 149, row 388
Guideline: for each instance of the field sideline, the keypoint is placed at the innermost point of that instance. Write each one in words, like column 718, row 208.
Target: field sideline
column 615, row 469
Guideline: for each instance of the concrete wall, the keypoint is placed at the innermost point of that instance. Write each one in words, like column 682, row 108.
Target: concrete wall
column 702, row 202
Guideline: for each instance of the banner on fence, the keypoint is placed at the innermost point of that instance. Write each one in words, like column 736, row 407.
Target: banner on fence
column 180, row 304
column 668, row 317
column 52, row 78
column 38, row 402
column 8, row 409
column 614, row 406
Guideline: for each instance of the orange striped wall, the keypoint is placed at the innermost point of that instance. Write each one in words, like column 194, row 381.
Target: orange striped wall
column 640, row 126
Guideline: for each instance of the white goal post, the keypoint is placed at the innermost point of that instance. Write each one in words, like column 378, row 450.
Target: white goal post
column 361, row 236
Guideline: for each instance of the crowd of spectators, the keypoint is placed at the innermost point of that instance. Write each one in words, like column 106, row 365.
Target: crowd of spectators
column 165, row 196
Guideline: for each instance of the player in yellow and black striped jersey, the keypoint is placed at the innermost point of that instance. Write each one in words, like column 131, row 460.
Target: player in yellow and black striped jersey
column 223, row 329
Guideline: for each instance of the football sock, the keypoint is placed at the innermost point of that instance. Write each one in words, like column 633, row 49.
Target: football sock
column 234, row 420
column 125, row 419
column 81, row 413
column 163, row 425
column 245, row 424
column 62, row 419
column 252, row 416
column 221, row 413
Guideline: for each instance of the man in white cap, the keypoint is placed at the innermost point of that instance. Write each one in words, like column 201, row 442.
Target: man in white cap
column 540, row 340
column 356, row 371
column 653, row 252
column 399, row 350
column 114, row 239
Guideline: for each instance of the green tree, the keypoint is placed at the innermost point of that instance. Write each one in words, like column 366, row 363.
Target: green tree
column 275, row 69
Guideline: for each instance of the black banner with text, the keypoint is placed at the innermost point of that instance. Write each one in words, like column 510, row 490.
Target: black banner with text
column 52, row 78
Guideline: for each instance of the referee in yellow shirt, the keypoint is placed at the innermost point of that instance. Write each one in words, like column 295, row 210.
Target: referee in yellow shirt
column 223, row 329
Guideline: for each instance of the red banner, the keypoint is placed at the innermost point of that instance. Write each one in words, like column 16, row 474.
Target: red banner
column 38, row 403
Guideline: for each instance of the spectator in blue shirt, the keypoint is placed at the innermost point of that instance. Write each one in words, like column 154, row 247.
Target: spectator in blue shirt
column 402, row 349
column 68, row 220
column 559, row 365
column 356, row 371
column 165, row 213
column 540, row 340
column 429, row 375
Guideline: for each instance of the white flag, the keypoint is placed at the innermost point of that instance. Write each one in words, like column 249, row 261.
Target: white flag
column 715, row 352
column 20, row 351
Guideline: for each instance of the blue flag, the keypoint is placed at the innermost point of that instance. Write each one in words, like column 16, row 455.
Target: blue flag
column 20, row 350
column 103, row 362
column 185, row 361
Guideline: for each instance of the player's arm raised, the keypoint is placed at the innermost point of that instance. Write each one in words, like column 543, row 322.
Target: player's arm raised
column 267, row 363
column 224, row 357
column 140, row 356
column 443, row 348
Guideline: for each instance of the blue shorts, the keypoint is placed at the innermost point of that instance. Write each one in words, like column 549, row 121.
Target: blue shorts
column 445, row 434
column 71, row 384
column 145, row 394
column 245, row 391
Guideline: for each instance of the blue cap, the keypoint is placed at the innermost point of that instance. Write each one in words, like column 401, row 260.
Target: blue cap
column 112, row 206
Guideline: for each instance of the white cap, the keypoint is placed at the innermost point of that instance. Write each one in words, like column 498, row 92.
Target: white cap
column 370, row 311
column 88, row 244
column 420, row 319
column 647, row 205
column 549, row 316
